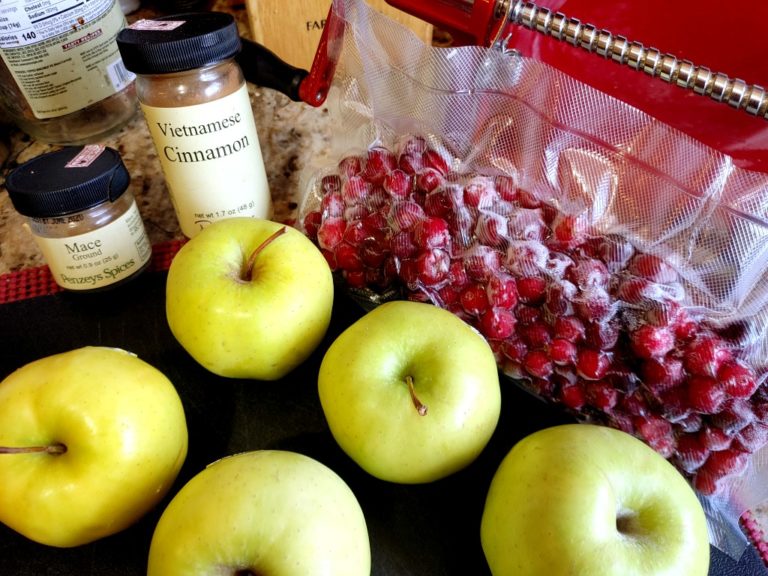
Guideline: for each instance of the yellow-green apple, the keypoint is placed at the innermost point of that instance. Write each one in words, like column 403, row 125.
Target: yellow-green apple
column 90, row 440
column 249, row 298
column 410, row 392
column 265, row 512
column 590, row 500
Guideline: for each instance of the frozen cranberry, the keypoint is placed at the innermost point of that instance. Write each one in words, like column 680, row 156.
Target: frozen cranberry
column 355, row 190
column 351, row 165
column 714, row 438
column 573, row 396
column 734, row 415
column 652, row 341
column 592, row 364
column 402, row 246
column 527, row 315
column 562, row 352
column 432, row 266
column 432, row 232
column 602, row 335
column 439, row 203
column 691, row 453
column 568, row 231
column 660, row 374
column 411, row 164
column 497, row 323
column 706, row 483
column 482, row 262
column 542, row 387
column 330, row 257
column 330, row 183
column 480, row 192
column 685, row 326
column 653, row 268
column 536, row 334
column 589, row 273
column 728, row 462
column 557, row 266
column 514, row 348
column 378, row 163
column 674, row 404
column 398, row 184
column 691, row 423
column 461, row 225
column 428, row 180
column 348, row 258
column 602, row 395
column 373, row 253
column 752, row 437
column 502, row 291
column 568, row 328
column 635, row 403
column 311, row 224
column 705, row 394
column 331, row 232
column 559, row 297
column 433, row 159
column 474, row 299
column 594, row 305
column 633, row 290
column 537, row 364
column 528, row 199
column 615, row 252
column 531, row 289
column 657, row 432
column 704, row 355
column 506, row 188
column 332, row 205
column 356, row 212
column 527, row 224
column 376, row 224
column 738, row 379
column 526, row 257
column 355, row 233
column 491, row 229
column 405, row 215
column 355, row 278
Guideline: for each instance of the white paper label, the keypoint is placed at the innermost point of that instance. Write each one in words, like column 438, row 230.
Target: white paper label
column 211, row 159
column 101, row 257
column 62, row 53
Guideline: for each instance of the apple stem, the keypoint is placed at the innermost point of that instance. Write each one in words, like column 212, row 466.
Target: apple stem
column 52, row 449
column 420, row 408
column 247, row 273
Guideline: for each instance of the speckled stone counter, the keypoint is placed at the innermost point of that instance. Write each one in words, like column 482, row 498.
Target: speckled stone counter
column 290, row 134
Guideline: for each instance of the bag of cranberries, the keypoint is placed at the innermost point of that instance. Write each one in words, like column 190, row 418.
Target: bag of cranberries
column 615, row 265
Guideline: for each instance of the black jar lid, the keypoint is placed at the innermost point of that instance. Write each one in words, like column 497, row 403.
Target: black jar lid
column 45, row 187
column 203, row 39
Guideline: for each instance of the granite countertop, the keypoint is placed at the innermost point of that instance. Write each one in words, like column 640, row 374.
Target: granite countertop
column 290, row 133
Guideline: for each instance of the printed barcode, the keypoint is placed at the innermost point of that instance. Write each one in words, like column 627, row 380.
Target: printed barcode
column 119, row 75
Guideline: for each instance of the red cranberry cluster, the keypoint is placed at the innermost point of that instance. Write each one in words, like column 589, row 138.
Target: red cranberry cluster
column 582, row 319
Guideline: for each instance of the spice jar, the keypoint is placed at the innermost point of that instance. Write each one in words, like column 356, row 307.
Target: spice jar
column 196, row 104
column 82, row 216
column 61, row 76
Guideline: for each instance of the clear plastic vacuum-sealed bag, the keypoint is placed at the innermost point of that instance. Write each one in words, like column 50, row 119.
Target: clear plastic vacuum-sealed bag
column 616, row 266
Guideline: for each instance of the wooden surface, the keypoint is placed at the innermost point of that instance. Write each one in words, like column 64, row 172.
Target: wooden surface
column 292, row 30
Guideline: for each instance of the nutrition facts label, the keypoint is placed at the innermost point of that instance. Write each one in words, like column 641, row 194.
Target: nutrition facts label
column 62, row 53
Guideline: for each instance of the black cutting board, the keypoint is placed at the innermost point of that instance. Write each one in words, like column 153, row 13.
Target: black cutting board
column 426, row 530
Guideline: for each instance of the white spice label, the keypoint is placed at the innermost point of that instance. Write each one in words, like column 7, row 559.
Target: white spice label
column 101, row 257
column 63, row 53
column 211, row 159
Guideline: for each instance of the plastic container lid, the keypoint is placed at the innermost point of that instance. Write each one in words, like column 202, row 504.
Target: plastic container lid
column 45, row 187
column 203, row 39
